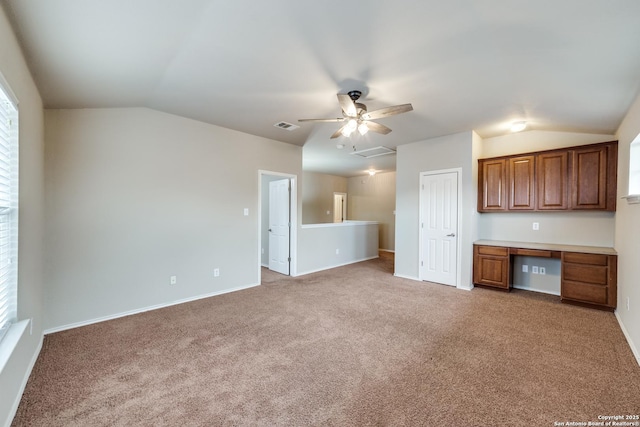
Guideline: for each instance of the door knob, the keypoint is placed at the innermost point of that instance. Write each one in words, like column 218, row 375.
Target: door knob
column 270, row 230
column 451, row 235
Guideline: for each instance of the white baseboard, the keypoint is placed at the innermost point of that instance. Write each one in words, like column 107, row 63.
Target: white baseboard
column 23, row 386
column 542, row 291
column 634, row 350
column 402, row 276
column 143, row 309
column 335, row 266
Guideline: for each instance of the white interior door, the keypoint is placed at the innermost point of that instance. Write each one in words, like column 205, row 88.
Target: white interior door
column 279, row 226
column 439, row 228
column 339, row 207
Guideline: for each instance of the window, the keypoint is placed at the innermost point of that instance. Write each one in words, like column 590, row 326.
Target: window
column 8, row 207
column 634, row 167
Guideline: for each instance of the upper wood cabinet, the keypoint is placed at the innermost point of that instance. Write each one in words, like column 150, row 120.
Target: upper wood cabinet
column 492, row 191
column 591, row 171
column 521, row 183
column 575, row 178
column 553, row 179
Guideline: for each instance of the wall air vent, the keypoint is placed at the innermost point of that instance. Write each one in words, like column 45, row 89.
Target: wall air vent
column 286, row 126
column 374, row 152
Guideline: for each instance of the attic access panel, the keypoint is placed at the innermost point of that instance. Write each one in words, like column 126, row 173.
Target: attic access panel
column 374, row 152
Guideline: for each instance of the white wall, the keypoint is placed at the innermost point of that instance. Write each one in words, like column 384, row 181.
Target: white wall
column 31, row 219
column 627, row 235
column 324, row 246
column 373, row 198
column 135, row 196
column 447, row 152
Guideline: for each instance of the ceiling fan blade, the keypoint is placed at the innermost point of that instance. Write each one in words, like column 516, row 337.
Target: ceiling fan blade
column 339, row 119
column 338, row 132
column 347, row 105
column 388, row 111
column 378, row 128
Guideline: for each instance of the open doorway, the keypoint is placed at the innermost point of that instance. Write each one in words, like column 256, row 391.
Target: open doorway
column 277, row 223
column 339, row 207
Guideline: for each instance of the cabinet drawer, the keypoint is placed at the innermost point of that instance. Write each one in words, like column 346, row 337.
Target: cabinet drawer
column 584, row 292
column 593, row 274
column 531, row 252
column 493, row 250
column 580, row 258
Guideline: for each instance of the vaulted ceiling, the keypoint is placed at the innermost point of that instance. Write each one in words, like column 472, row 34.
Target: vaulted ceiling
column 569, row 65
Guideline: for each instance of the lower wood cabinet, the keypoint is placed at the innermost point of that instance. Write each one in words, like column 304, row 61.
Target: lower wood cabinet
column 588, row 279
column 491, row 266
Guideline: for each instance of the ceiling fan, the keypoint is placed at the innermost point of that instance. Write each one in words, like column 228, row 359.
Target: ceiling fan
column 358, row 118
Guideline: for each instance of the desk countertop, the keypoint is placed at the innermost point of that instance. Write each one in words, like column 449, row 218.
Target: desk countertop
column 549, row 247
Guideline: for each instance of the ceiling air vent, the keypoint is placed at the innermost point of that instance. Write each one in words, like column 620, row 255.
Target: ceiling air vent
column 286, row 126
column 374, row 152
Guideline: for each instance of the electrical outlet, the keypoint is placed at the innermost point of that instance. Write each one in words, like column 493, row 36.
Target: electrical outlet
column 536, row 226
column 534, row 269
column 216, row 272
column 173, row 280
column 525, row 268
column 542, row 270
column 337, row 251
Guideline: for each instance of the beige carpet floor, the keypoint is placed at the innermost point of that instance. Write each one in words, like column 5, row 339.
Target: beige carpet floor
column 345, row 347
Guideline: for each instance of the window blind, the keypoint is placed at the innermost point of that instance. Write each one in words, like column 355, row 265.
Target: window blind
column 8, row 209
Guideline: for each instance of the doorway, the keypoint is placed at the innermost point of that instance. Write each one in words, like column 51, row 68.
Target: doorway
column 439, row 231
column 339, row 207
column 277, row 219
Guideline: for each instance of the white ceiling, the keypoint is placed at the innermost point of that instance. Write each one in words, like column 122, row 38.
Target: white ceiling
column 565, row 65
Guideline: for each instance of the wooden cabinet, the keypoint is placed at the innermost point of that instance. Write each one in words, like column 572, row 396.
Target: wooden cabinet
column 492, row 185
column 521, row 175
column 576, row 178
column 491, row 266
column 552, row 183
column 589, row 279
column 591, row 177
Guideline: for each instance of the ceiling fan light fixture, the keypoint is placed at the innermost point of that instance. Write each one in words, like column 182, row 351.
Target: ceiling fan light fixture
column 363, row 128
column 518, row 126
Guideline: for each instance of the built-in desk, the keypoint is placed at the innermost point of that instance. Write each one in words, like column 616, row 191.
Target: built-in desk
column 588, row 273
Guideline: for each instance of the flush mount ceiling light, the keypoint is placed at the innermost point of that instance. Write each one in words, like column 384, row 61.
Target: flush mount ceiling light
column 518, row 126
column 372, row 172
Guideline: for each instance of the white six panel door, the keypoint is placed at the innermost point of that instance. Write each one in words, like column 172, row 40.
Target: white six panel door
column 439, row 227
column 279, row 226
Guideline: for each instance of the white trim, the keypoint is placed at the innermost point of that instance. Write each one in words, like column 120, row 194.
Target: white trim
column 10, row 341
column 542, row 291
column 339, row 224
column 144, row 309
column 634, row 350
column 23, row 386
column 402, row 276
column 458, row 171
column 6, row 88
column 336, row 266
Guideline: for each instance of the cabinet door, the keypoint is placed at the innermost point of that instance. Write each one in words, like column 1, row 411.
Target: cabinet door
column 492, row 191
column 491, row 266
column 589, row 178
column 521, row 183
column 552, row 188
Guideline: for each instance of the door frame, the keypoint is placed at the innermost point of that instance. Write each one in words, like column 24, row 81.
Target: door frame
column 293, row 217
column 344, row 205
column 421, row 219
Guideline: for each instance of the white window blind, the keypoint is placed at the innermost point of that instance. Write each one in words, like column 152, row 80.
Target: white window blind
column 8, row 208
